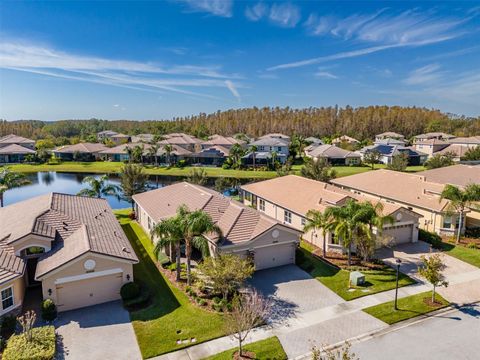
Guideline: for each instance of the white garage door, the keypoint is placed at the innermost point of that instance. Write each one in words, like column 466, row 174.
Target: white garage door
column 400, row 234
column 271, row 256
column 81, row 293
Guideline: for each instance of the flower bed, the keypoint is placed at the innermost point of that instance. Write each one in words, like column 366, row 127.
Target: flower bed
column 41, row 347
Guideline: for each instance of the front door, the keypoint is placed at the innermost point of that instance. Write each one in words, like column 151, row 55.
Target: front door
column 31, row 268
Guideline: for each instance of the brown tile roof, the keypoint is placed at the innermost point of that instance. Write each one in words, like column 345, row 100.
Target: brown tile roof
column 434, row 135
column 122, row 149
column 345, row 138
column 81, row 148
column 457, row 150
column 11, row 266
column 390, row 134
column 406, row 188
column 15, row 149
column 330, row 151
column 222, row 141
column 15, row 139
column 77, row 224
column 177, row 150
column 431, row 142
column 459, row 175
column 237, row 222
column 472, row 140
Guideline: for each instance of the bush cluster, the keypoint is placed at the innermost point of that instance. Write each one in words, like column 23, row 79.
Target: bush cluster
column 42, row 346
column 49, row 310
column 129, row 291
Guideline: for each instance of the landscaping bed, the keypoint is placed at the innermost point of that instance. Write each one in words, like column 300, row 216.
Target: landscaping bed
column 408, row 307
column 381, row 278
column 265, row 349
column 171, row 322
column 41, row 347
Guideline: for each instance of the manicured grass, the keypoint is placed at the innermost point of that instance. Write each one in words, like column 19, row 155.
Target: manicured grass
column 268, row 349
column 171, row 316
column 337, row 280
column 408, row 307
column 470, row 256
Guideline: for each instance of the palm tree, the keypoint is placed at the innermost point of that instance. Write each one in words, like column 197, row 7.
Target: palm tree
column 98, row 187
column 318, row 169
column 195, row 225
column 319, row 220
column 236, row 153
column 168, row 150
column 348, row 223
column 460, row 200
column 197, row 176
column 137, row 153
column 274, row 156
column 152, row 153
column 129, row 151
column 132, row 181
column 169, row 233
column 253, row 150
column 9, row 180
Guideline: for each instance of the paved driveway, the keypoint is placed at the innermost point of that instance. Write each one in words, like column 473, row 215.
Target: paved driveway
column 97, row 332
column 463, row 278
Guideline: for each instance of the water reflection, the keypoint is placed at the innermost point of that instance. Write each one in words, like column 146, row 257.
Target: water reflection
column 71, row 183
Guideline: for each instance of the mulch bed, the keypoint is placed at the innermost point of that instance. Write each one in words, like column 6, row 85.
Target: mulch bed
column 432, row 304
column 341, row 261
column 247, row 355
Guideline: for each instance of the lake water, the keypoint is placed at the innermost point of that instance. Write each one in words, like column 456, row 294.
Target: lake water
column 72, row 183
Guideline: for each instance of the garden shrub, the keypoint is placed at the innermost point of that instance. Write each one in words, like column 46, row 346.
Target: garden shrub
column 432, row 238
column 129, row 291
column 472, row 245
column 140, row 301
column 42, row 346
column 49, row 310
column 132, row 215
column 9, row 323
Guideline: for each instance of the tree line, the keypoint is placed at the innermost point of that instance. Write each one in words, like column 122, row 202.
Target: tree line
column 361, row 123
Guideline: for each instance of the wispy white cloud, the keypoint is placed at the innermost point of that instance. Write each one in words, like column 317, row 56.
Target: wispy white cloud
column 116, row 105
column 325, row 75
column 223, row 8
column 231, row 86
column 424, row 75
column 281, row 14
column 128, row 74
column 450, row 54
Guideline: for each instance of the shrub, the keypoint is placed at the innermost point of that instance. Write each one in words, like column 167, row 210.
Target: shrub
column 42, row 346
column 132, row 215
column 472, row 245
column 181, row 163
column 9, row 323
column 434, row 239
column 139, row 301
column 216, row 300
column 49, row 310
column 129, row 291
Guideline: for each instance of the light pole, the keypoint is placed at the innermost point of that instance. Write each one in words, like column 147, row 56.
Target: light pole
column 398, row 261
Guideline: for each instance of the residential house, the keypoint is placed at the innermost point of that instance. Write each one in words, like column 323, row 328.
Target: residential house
column 334, row 154
column 387, row 152
column 431, row 146
column 312, row 140
column 276, row 136
column 411, row 191
column 14, row 149
column 185, row 141
column 389, row 135
column 177, row 154
column 114, row 136
column 433, row 135
column 245, row 232
column 269, row 145
column 223, row 141
column 263, row 158
column 467, row 142
column 211, row 156
column 456, row 151
column 81, row 151
column 457, row 175
column 143, row 138
column 121, row 152
column 289, row 198
column 390, row 141
column 344, row 139
column 71, row 246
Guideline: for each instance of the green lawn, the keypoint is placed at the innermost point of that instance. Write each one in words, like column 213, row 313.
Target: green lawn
column 337, row 280
column 408, row 307
column 471, row 256
column 114, row 167
column 171, row 316
column 268, row 349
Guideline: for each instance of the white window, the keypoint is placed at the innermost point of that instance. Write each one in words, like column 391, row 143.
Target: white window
column 261, row 148
column 149, row 223
column 261, row 204
column 447, row 222
column 7, row 298
column 303, row 221
column 287, row 217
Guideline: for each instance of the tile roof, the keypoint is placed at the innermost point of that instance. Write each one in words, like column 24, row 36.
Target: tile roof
column 431, row 135
column 275, row 136
column 238, row 223
column 15, row 149
column 392, row 150
column 455, row 149
column 77, row 224
column 390, row 134
column 434, row 141
column 177, row 150
column 222, row 141
column 458, row 175
column 122, row 149
column 472, row 140
column 399, row 186
column 81, row 148
column 15, row 139
column 270, row 141
column 11, row 266
column 330, row 151
column 345, row 138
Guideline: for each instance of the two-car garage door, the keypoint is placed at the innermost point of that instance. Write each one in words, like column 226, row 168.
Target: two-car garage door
column 399, row 234
column 92, row 291
column 277, row 255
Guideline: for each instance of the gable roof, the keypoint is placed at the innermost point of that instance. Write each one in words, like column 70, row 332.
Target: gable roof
column 472, row 140
column 270, row 141
column 330, row 151
column 458, row 175
column 455, row 149
column 15, row 149
column 345, row 138
column 399, row 186
column 238, row 222
column 81, row 148
column 392, row 150
column 11, row 266
column 431, row 135
column 222, row 141
column 390, row 134
column 15, row 139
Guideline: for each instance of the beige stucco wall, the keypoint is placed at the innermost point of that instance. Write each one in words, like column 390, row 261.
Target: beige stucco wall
column 32, row 240
column 18, row 293
column 76, row 267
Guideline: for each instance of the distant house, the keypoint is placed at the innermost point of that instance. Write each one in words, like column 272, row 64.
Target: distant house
column 431, row 146
column 14, row 149
column 334, row 154
column 188, row 142
column 432, row 135
column 223, row 141
column 117, row 138
column 289, row 198
column 119, row 152
column 387, row 152
column 246, row 232
column 211, row 156
column 145, row 138
column 106, row 134
column 312, row 140
column 467, row 142
column 344, row 139
column 390, row 141
column 456, row 151
column 389, row 135
column 276, row 136
column 263, row 158
column 81, row 151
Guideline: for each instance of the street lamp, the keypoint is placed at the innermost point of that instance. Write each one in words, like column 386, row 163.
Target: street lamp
column 398, row 261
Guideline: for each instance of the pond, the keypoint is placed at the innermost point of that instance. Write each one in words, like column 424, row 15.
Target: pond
column 71, row 183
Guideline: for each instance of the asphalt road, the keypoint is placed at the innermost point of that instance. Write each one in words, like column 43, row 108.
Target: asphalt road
column 449, row 336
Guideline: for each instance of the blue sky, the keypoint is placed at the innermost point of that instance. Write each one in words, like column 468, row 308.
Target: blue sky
column 161, row 59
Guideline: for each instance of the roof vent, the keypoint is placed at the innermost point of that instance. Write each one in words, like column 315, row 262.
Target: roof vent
column 124, row 249
column 64, row 223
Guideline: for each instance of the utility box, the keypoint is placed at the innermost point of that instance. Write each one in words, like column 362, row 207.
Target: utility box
column 357, row 278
